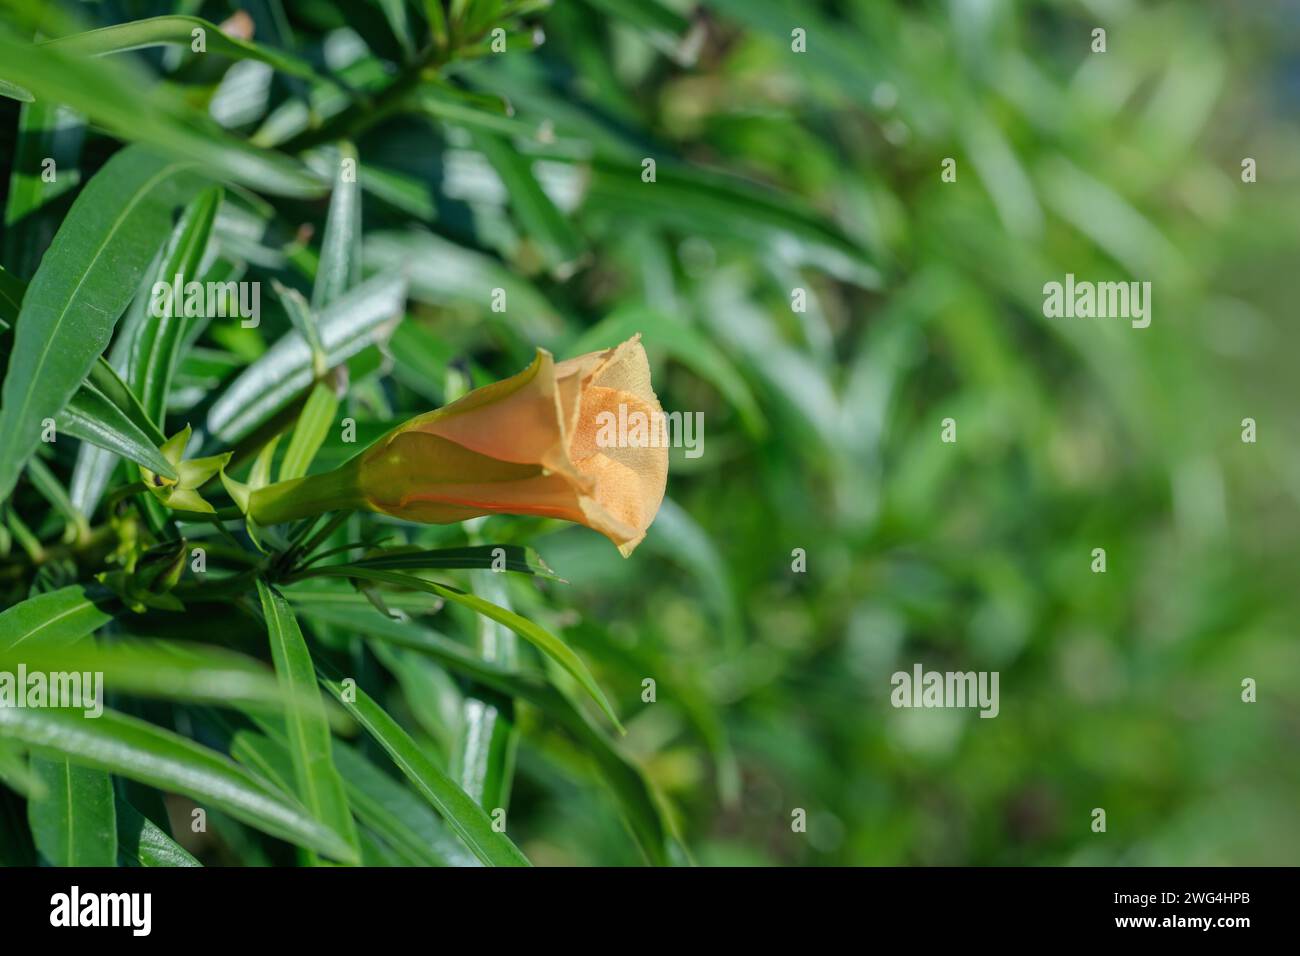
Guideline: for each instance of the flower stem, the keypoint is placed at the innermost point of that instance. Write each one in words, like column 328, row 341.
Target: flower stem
column 307, row 497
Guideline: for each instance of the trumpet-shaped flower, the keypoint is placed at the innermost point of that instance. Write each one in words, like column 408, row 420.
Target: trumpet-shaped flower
column 524, row 445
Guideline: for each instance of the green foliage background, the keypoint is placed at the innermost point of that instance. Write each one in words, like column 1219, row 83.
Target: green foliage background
column 775, row 170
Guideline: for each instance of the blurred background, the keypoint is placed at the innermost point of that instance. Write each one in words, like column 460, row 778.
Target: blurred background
column 1119, row 690
column 820, row 171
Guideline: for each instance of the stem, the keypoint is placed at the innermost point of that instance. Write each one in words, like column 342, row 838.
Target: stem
column 361, row 116
column 307, row 497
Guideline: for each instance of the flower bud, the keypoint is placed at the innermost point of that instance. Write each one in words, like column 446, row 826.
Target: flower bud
column 525, row 445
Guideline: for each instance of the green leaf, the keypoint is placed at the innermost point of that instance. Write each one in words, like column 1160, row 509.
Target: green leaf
column 46, row 133
column 72, row 820
column 176, row 30
column 362, row 317
column 381, row 803
column 558, row 241
column 45, row 481
column 83, row 284
column 398, row 815
column 91, row 417
column 156, row 348
column 339, row 268
column 309, row 434
column 437, row 21
column 124, row 99
column 75, row 823
column 637, row 799
column 463, row 815
column 58, row 617
column 17, row 774
column 509, row 557
column 132, row 748
column 731, row 208
column 140, row 842
column 169, row 670
column 12, row 290
column 318, row 782
column 94, row 467
column 667, row 30
column 399, row 23
column 304, row 322
column 104, row 376
column 15, row 92
column 485, row 752
column 105, row 413
column 538, row 636
column 443, row 273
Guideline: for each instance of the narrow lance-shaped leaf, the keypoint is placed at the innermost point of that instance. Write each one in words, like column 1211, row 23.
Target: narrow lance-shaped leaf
column 123, row 98
column 339, row 268
column 45, row 167
column 57, row 617
column 488, row 557
column 177, row 30
column 72, row 821
column 140, row 842
column 309, row 434
column 114, row 424
column 15, row 92
column 538, row 636
column 169, row 670
column 408, row 823
column 80, row 289
column 636, row 797
column 91, row 417
column 318, row 782
column 94, row 467
column 132, row 748
column 485, row 754
column 48, row 484
column 542, row 222
column 157, row 345
column 470, row 822
column 360, row 318
column 75, row 822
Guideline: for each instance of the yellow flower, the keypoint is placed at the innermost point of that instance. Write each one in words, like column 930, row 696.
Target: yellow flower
column 526, row 445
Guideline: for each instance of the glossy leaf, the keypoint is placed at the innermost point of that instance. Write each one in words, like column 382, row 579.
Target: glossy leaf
column 141, row 842
column 156, row 347
column 56, row 617
column 123, row 745
column 176, row 31
column 318, row 782
column 91, row 417
column 45, row 167
column 636, row 797
column 82, row 286
column 360, row 318
column 119, row 97
column 538, row 636
column 75, row 823
column 507, row 557
column 339, row 268
column 314, row 423
column 469, row 821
